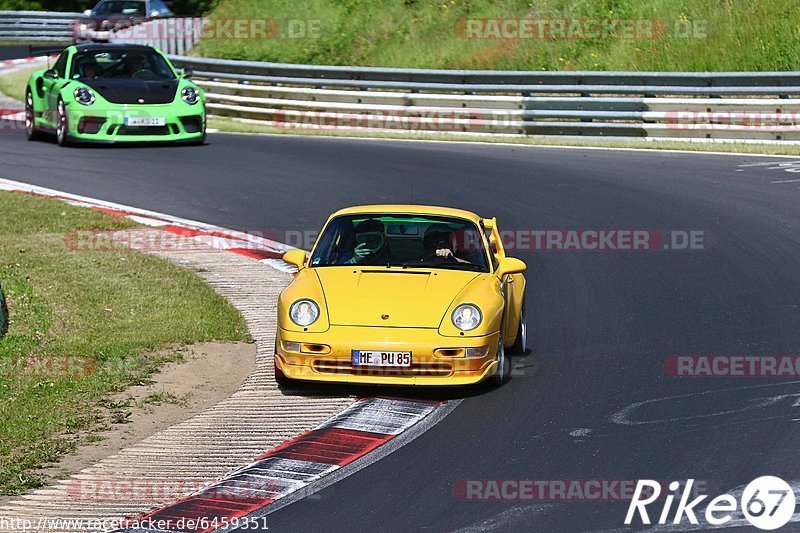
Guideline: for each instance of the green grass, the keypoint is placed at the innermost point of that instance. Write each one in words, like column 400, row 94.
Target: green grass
column 162, row 397
column 89, row 321
column 739, row 34
column 236, row 126
column 13, row 84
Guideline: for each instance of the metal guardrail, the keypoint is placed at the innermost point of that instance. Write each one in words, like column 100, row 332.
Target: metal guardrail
column 36, row 26
column 726, row 105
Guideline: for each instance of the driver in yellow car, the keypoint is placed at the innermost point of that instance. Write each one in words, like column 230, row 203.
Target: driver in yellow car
column 371, row 247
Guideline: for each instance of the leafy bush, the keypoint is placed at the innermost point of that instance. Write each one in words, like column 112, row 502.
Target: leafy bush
column 736, row 34
column 192, row 8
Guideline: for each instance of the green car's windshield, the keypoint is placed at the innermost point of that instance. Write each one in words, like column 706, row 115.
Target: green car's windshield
column 137, row 63
column 408, row 241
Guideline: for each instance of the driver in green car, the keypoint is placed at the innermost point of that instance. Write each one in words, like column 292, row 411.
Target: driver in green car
column 88, row 68
column 134, row 65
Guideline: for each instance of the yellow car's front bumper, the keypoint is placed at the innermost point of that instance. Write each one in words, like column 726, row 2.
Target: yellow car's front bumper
column 435, row 360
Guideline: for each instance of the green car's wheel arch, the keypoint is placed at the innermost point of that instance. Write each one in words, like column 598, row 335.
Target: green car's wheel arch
column 62, row 126
column 30, row 117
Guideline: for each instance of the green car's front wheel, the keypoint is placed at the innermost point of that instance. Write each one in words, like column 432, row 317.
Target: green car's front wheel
column 30, row 118
column 62, row 127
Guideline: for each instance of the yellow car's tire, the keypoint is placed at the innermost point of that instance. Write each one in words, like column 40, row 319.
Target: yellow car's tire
column 520, row 346
column 280, row 377
column 503, row 365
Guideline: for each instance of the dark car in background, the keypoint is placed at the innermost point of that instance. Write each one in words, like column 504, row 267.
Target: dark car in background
column 112, row 15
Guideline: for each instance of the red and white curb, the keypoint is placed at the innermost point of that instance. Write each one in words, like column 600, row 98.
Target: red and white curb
column 345, row 438
column 187, row 232
column 359, row 435
column 22, row 61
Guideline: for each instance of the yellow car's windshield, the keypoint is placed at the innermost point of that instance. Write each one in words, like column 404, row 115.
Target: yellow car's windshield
column 409, row 241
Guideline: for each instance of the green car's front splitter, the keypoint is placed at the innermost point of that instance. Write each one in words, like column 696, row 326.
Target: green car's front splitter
column 155, row 123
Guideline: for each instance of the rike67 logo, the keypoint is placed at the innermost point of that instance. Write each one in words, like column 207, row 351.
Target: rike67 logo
column 766, row 503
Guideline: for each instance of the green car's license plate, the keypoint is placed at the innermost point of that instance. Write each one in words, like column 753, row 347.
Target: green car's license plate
column 145, row 121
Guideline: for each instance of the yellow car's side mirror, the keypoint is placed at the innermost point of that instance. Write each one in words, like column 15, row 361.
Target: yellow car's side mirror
column 296, row 258
column 510, row 265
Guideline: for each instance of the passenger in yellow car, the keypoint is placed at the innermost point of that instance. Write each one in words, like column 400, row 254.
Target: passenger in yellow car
column 440, row 243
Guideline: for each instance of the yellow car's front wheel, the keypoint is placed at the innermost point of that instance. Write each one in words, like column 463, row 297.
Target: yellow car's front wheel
column 503, row 364
column 521, row 342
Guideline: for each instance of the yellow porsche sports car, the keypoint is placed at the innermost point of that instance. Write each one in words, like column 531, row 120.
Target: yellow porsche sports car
column 402, row 295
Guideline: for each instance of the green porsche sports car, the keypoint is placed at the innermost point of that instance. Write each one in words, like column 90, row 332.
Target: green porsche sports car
column 114, row 93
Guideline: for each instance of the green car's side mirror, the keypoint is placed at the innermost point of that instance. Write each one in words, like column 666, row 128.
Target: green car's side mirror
column 3, row 314
column 187, row 73
column 50, row 73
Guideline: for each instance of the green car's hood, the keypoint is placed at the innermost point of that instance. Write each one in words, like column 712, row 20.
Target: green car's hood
column 133, row 91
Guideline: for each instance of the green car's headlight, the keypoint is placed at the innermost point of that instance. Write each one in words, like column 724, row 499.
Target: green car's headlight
column 467, row 317
column 190, row 95
column 304, row 312
column 84, row 96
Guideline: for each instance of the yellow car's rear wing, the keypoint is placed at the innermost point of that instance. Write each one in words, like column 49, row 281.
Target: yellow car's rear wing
column 495, row 241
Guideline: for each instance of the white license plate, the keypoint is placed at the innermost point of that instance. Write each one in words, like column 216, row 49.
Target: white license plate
column 145, row 121
column 375, row 358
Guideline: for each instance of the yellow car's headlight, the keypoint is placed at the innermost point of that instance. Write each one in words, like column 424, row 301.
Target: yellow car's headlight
column 304, row 312
column 467, row 317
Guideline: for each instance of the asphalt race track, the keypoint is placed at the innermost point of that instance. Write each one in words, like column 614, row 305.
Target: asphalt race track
column 602, row 323
column 13, row 51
